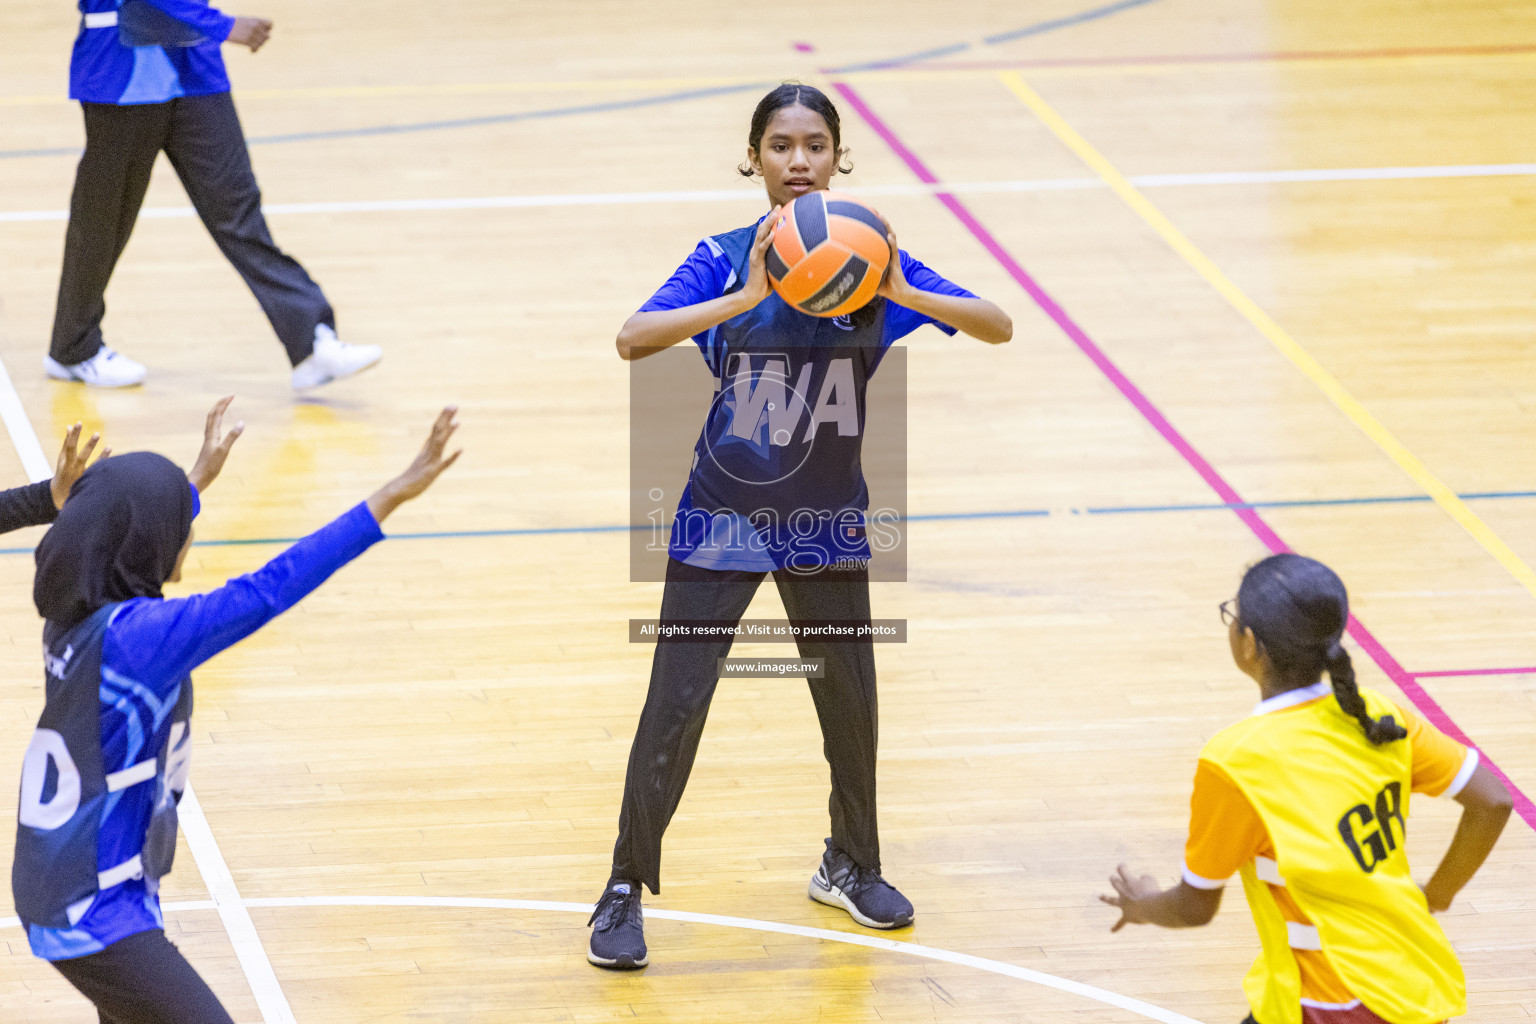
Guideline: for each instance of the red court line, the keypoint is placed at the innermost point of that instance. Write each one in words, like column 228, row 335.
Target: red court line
column 1405, row 681
column 1256, row 57
column 1476, row 672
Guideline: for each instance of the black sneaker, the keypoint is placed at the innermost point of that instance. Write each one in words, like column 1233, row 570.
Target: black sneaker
column 618, row 929
column 868, row 898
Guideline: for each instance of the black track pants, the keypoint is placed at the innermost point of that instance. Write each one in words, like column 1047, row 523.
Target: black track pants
column 143, row 979
column 202, row 137
column 683, row 678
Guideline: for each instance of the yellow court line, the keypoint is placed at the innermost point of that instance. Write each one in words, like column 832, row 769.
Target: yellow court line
column 1277, row 335
column 1312, row 63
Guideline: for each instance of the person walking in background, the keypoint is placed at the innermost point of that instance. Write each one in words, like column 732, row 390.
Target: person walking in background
column 149, row 76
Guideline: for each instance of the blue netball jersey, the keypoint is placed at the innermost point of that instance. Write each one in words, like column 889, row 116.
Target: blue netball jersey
column 94, row 793
column 103, row 69
column 776, row 480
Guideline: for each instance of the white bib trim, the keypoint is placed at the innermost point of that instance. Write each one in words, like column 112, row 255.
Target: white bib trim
column 1464, row 776
column 1290, row 698
column 1319, row 1005
column 132, row 775
column 1200, row 881
column 76, row 910
column 1303, row 936
column 1268, row 871
column 123, row 872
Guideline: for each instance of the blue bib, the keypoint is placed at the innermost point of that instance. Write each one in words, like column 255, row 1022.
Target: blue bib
column 777, row 463
column 75, row 810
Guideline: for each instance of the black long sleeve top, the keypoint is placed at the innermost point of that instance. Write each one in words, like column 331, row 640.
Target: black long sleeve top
column 31, row 505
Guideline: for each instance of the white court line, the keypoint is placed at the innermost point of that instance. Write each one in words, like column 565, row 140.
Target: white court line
column 754, row 196
column 232, row 912
column 23, row 437
column 205, row 849
column 1076, row 988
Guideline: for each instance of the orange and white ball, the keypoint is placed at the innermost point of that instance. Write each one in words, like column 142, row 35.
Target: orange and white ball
column 828, row 255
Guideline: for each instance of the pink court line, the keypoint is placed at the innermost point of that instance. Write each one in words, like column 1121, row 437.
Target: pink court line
column 1255, row 57
column 1405, row 681
column 1476, row 672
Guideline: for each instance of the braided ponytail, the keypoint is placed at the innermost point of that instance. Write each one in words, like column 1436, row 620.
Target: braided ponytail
column 1297, row 609
column 1341, row 673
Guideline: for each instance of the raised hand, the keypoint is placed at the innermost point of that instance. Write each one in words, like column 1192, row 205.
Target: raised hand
column 423, row 470
column 210, row 460
column 72, row 463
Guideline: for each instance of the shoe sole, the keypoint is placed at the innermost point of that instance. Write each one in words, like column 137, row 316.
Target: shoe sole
column 623, row 963
column 835, row 897
column 70, row 378
column 344, row 376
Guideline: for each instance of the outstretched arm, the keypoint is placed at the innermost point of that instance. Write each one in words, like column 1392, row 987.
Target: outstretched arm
column 423, row 470
column 38, row 504
column 31, row 505
column 1486, row 805
column 72, row 462
column 210, row 459
column 157, row 642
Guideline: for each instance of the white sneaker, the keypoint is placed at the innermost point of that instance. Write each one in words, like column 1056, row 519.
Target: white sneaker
column 332, row 360
column 105, row 369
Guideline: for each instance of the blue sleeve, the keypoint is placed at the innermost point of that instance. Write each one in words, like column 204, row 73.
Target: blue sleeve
column 157, row 642
column 210, row 21
column 704, row 275
column 901, row 321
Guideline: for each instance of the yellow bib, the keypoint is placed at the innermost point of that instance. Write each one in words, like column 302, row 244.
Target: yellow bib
column 1336, row 809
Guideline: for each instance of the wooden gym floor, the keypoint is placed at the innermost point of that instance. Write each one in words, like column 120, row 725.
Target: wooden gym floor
column 1268, row 253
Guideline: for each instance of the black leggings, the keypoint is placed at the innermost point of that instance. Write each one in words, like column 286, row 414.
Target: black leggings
column 143, row 979
column 683, row 679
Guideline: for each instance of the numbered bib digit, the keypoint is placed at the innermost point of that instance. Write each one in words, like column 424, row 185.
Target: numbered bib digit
column 47, row 747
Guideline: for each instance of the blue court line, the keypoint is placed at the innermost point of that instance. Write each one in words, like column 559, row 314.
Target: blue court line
column 524, row 115
column 896, row 62
column 1038, row 28
column 1069, row 20
column 643, row 101
column 17, row 154
column 937, row 517
column 537, row 531
column 1023, row 513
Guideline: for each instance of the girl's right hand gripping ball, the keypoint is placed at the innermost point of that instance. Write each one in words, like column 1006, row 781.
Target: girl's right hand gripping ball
column 829, row 254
